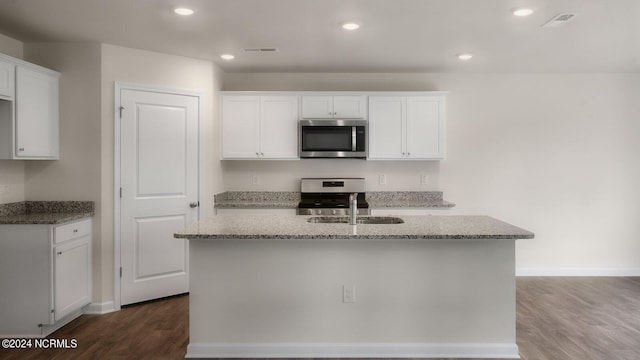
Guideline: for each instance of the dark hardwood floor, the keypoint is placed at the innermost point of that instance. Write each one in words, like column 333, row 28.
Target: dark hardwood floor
column 557, row 319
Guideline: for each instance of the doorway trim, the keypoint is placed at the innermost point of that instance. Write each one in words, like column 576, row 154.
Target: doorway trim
column 118, row 87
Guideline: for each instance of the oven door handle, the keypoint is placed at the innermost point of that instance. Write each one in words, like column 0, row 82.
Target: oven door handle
column 353, row 138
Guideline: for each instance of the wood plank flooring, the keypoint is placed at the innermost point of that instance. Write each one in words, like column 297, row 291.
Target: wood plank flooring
column 557, row 319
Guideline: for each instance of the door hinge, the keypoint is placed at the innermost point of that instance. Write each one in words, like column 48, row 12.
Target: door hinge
column 120, row 193
column 121, row 108
column 121, row 271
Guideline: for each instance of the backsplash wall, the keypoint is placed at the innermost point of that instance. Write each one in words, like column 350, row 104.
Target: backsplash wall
column 285, row 175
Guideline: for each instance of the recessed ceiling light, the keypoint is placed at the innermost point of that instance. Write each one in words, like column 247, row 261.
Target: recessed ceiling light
column 522, row 12
column 227, row 56
column 183, row 11
column 350, row 26
column 465, row 57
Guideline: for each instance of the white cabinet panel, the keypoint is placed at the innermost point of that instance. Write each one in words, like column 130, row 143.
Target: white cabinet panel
column 343, row 107
column 7, row 80
column 279, row 127
column 36, row 114
column 424, row 128
column 240, row 127
column 317, row 107
column 350, row 107
column 386, row 127
column 71, row 276
column 406, row 127
column 260, row 127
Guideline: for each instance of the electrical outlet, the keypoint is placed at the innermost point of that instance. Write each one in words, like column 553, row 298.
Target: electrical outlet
column 255, row 180
column 424, row 179
column 348, row 293
column 382, row 179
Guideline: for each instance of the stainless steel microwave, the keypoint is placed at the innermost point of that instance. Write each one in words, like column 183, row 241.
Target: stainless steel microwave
column 333, row 138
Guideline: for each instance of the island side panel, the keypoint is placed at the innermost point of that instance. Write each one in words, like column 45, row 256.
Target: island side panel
column 406, row 291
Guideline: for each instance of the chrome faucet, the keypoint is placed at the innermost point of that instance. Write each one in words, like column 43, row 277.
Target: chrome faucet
column 353, row 208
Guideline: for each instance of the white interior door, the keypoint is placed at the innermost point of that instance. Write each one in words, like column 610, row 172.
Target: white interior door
column 159, row 180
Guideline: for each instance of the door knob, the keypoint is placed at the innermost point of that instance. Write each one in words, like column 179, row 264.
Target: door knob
column 194, row 204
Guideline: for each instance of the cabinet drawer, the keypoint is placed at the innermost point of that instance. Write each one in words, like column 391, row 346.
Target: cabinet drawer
column 71, row 231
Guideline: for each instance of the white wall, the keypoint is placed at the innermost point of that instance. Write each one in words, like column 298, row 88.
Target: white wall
column 556, row 154
column 12, row 171
column 160, row 70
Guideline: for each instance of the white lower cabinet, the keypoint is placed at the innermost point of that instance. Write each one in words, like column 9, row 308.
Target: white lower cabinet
column 45, row 276
column 72, row 285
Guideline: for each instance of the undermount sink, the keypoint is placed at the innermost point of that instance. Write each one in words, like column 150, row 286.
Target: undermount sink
column 359, row 220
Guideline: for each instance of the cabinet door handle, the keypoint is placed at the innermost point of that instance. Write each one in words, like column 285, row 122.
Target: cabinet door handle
column 21, row 149
column 59, row 253
column 75, row 231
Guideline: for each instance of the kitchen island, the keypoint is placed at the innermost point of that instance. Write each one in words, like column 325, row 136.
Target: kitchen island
column 280, row 286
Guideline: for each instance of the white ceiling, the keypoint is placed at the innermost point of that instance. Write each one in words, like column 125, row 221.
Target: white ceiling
column 395, row 35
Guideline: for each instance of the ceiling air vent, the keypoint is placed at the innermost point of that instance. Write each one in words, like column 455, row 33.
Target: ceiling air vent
column 259, row 50
column 559, row 20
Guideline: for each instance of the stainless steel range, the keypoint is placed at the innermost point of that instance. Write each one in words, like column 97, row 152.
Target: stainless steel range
column 330, row 196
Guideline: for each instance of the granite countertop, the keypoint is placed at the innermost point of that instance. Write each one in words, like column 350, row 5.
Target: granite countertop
column 278, row 226
column 407, row 199
column 45, row 212
column 257, row 200
column 290, row 199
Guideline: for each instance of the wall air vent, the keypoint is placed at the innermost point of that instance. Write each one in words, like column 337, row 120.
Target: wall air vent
column 259, row 50
column 559, row 20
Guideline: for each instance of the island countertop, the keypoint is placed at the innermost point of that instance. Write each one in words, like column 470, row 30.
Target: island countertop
column 278, row 226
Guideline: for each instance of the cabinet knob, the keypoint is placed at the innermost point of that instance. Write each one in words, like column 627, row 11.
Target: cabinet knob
column 408, row 153
column 21, row 149
column 59, row 252
column 75, row 231
column 194, row 204
column 257, row 154
column 262, row 154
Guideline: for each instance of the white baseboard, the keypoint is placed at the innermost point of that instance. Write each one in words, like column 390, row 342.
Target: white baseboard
column 577, row 271
column 100, row 308
column 358, row 350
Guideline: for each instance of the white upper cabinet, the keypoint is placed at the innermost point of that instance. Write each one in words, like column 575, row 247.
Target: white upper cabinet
column 343, row 107
column 240, row 127
column 259, row 127
column 406, row 127
column 36, row 114
column 28, row 111
column 279, row 127
column 7, row 80
column 387, row 118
